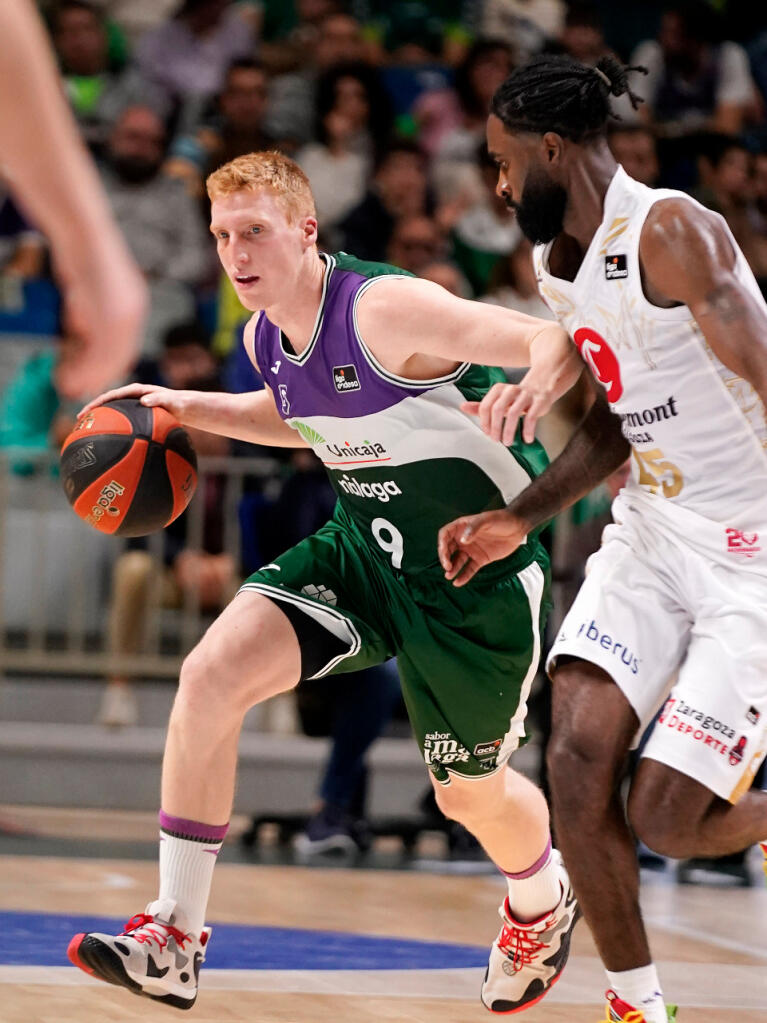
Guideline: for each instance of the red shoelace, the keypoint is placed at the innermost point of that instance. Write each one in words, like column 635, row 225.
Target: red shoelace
column 520, row 946
column 142, row 928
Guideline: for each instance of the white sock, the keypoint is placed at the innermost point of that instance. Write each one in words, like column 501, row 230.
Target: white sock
column 641, row 989
column 534, row 892
column 186, row 866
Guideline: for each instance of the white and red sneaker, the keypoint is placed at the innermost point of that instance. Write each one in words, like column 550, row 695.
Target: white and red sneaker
column 527, row 959
column 154, row 956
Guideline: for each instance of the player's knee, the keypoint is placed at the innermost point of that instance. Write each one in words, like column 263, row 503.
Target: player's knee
column 471, row 803
column 580, row 769
column 452, row 801
column 210, row 685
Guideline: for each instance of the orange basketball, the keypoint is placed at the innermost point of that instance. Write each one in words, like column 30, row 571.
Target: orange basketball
column 127, row 469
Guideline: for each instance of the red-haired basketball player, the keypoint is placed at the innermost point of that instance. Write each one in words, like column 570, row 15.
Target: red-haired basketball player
column 371, row 368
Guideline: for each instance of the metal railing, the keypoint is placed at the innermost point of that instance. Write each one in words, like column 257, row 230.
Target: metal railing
column 55, row 571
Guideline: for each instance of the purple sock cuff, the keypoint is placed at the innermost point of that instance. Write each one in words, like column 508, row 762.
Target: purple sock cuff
column 539, row 864
column 194, row 831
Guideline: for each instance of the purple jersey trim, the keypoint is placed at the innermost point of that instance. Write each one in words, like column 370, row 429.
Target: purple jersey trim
column 333, row 376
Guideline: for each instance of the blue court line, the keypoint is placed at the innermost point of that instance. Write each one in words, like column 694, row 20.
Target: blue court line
column 41, row 939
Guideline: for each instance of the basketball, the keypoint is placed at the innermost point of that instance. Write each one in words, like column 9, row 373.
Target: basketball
column 128, row 470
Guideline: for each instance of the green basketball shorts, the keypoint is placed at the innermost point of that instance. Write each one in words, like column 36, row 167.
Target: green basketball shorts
column 466, row 657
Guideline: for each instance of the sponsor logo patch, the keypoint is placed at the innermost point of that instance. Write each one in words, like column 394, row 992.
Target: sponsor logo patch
column 105, row 503
column 487, row 749
column 633, row 423
column 322, row 593
column 441, row 748
column 619, row 650
column 345, row 379
column 742, row 543
column 737, row 751
column 615, row 268
column 752, row 716
column 284, row 399
column 380, row 491
column 80, row 459
column 367, row 451
column 704, row 728
column 601, row 359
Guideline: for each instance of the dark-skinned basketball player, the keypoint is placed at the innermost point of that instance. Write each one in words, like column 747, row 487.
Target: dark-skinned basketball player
column 673, row 612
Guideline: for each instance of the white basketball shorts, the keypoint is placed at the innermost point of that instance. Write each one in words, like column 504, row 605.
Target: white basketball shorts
column 681, row 631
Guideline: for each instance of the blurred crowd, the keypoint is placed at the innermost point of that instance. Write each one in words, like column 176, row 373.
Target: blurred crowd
column 384, row 106
column 383, row 103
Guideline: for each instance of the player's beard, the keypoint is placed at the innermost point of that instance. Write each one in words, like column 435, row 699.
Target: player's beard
column 541, row 208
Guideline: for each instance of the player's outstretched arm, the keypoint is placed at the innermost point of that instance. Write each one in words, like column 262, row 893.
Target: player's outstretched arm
column 687, row 257
column 51, row 173
column 596, row 449
column 404, row 318
column 251, row 417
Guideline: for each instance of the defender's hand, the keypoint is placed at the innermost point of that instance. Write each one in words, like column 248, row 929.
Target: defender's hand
column 467, row 544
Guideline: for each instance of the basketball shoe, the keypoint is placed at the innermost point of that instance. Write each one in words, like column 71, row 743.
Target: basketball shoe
column 526, row 959
column 154, row 956
column 619, row 1011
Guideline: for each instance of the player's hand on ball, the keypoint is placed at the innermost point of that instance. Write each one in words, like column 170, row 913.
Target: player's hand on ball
column 504, row 405
column 467, row 544
column 148, row 394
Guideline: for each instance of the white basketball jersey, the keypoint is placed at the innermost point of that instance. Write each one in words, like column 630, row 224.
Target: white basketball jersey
column 698, row 432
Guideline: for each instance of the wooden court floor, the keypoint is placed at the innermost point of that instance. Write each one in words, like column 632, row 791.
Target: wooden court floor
column 710, row 943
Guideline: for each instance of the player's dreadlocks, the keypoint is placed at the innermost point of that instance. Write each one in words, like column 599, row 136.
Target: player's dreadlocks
column 558, row 94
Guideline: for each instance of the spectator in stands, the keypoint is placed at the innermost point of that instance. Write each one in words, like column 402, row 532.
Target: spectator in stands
column 448, row 276
column 440, row 113
column 136, row 17
column 292, row 103
column 695, row 82
column 485, row 233
column 514, row 285
column 162, row 224
column 207, row 575
column 22, row 248
column 453, row 123
column 234, row 125
column 529, row 23
column 583, row 38
column 34, row 417
column 415, row 243
column 353, row 124
column 635, row 148
column 759, row 210
column 189, row 54
column 287, row 48
column 399, row 189
column 98, row 88
column 726, row 185
column 354, row 710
